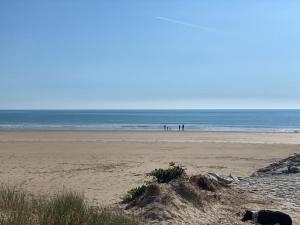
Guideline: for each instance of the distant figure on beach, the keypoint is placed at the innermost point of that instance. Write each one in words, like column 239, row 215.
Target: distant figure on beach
column 179, row 128
column 165, row 127
column 182, row 127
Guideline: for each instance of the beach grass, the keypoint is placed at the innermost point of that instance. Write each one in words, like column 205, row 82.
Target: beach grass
column 64, row 208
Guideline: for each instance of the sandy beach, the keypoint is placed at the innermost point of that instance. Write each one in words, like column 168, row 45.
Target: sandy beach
column 104, row 165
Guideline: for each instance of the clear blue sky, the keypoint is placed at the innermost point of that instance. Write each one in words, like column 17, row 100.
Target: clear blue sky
column 149, row 54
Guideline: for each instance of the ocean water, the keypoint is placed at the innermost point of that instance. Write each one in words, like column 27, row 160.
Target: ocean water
column 151, row 120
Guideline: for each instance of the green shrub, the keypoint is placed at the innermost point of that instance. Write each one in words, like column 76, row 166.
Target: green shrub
column 134, row 193
column 167, row 175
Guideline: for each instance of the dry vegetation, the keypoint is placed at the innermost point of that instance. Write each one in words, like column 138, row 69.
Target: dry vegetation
column 175, row 198
column 66, row 208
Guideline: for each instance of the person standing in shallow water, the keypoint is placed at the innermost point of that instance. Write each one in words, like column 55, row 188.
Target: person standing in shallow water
column 179, row 127
column 165, row 127
column 182, row 127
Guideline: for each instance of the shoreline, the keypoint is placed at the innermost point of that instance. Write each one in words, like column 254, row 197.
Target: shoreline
column 150, row 136
column 150, row 131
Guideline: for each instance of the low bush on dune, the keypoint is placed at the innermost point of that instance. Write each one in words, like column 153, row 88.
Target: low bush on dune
column 141, row 195
column 65, row 208
column 171, row 183
column 167, row 175
column 134, row 193
column 161, row 176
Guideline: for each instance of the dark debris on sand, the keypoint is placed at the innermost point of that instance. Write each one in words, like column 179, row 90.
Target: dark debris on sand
column 285, row 166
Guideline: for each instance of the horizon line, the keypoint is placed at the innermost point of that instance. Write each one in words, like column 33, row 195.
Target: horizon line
column 52, row 109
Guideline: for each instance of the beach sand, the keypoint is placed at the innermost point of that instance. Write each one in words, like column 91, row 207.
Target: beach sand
column 104, row 165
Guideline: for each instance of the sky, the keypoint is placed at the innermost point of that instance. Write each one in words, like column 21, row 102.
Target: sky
column 136, row 54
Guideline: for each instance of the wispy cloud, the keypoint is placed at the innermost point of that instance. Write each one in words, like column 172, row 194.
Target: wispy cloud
column 204, row 28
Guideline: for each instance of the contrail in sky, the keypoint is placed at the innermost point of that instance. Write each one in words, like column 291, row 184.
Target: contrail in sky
column 209, row 29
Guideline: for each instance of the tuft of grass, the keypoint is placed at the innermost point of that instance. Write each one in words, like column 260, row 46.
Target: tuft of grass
column 65, row 208
column 15, row 209
column 167, row 175
column 207, row 184
column 190, row 193
column 109, row 217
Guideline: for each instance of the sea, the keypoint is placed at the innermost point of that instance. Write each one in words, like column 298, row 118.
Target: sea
column 152, row 120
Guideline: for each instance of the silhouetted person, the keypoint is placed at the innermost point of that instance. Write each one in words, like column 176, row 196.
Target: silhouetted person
column 179, row 127
column 182, row 127
column 165, row 127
